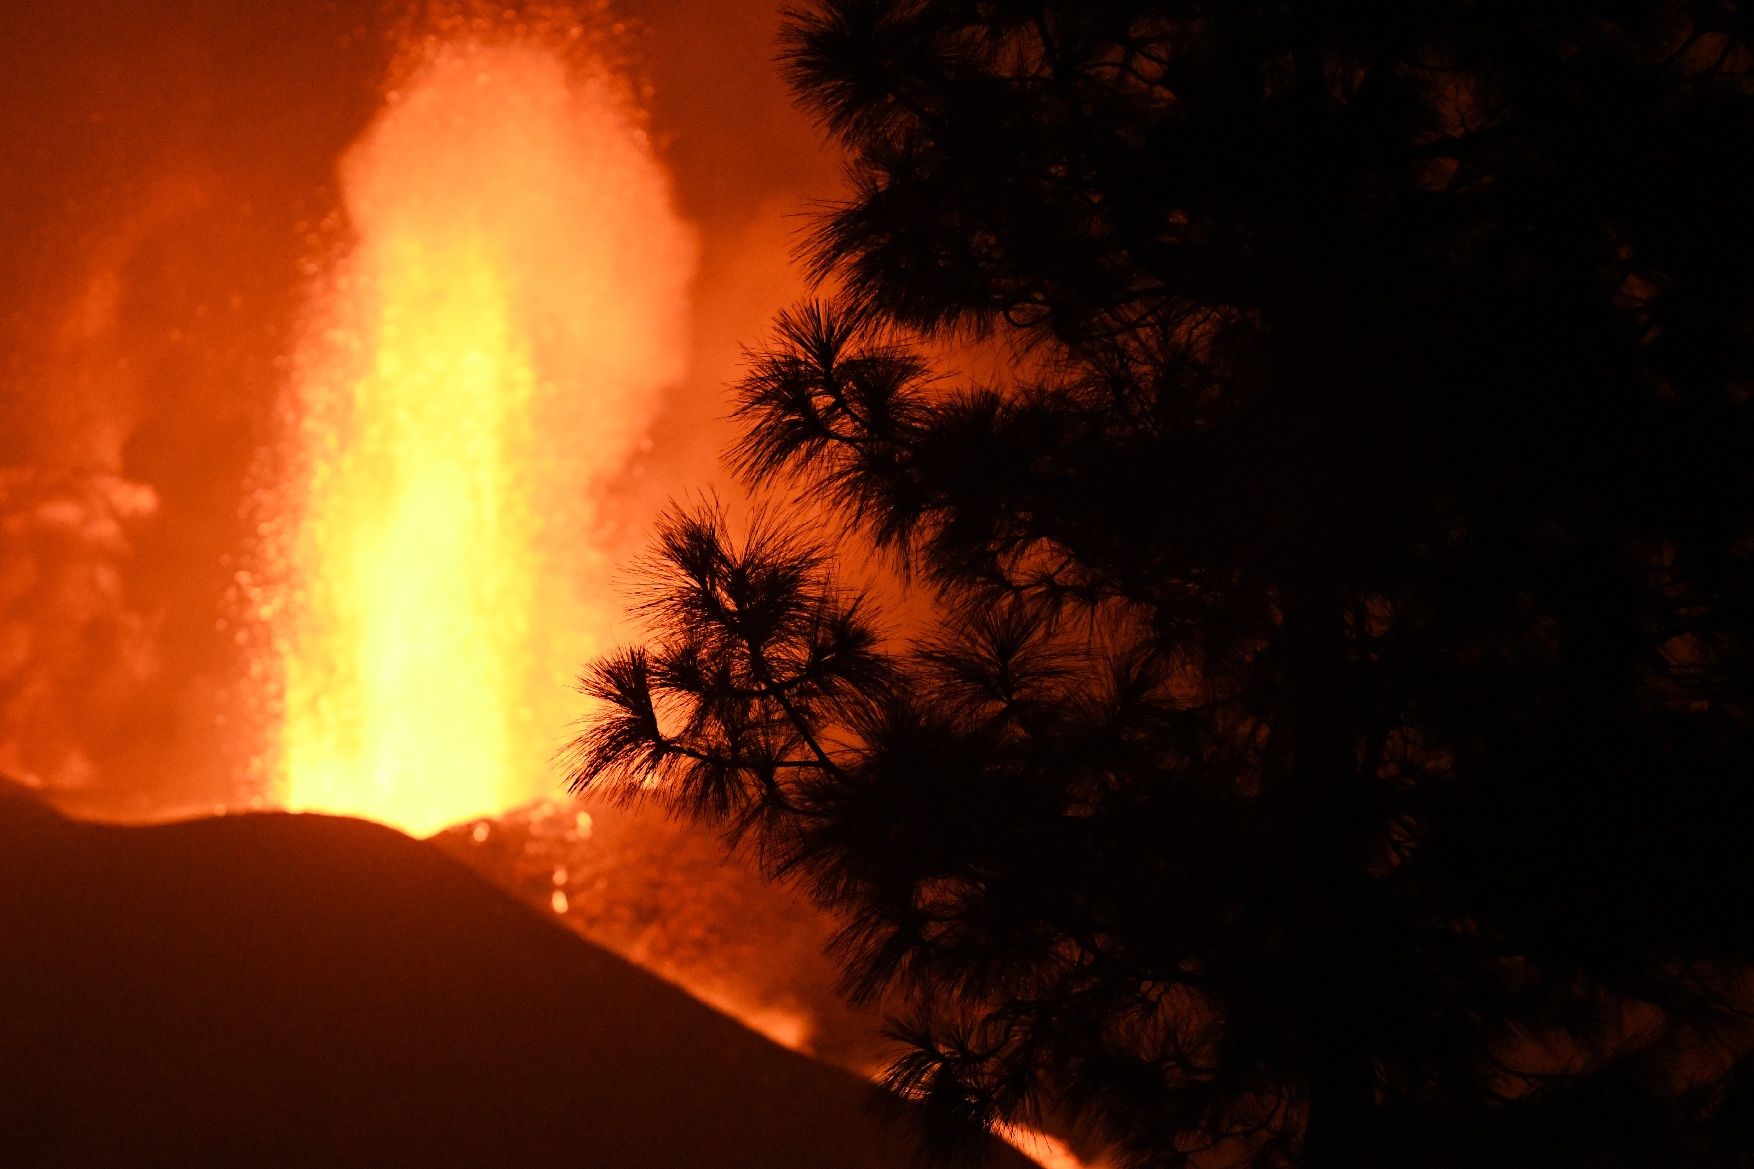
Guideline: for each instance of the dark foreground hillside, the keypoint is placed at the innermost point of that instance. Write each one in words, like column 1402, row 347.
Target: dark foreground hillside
column 279, row 990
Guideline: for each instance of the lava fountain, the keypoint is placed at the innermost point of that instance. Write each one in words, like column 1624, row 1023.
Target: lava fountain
column 480, row 361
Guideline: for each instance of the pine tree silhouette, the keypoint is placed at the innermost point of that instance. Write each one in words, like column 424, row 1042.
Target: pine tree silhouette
column 1334, row 747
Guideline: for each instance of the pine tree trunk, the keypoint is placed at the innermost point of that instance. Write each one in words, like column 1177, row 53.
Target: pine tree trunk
column 1323, row 828
column 1340, row 1080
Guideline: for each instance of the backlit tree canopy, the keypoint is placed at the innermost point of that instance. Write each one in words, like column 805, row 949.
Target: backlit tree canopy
column 1333, row 744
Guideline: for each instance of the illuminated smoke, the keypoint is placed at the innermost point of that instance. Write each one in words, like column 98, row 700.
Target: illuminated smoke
column 73, row 649
column 76, row 648
column 478, row 366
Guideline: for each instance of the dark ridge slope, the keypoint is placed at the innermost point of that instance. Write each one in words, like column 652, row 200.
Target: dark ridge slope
column 298, row 990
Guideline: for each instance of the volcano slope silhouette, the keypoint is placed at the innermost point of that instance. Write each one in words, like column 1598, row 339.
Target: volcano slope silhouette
column 299, row 990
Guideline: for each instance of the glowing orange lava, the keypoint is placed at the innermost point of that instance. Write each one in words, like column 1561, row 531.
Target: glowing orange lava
column 482, row 360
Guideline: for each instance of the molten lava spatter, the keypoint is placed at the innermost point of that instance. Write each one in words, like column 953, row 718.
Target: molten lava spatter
column 483, row 359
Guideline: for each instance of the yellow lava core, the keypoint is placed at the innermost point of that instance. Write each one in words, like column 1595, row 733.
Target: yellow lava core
column 477, row 366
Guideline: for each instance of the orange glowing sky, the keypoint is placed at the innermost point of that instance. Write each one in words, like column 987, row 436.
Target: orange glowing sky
column 192, row 250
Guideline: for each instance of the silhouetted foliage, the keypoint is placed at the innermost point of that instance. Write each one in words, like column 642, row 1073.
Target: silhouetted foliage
column 1334, row 748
